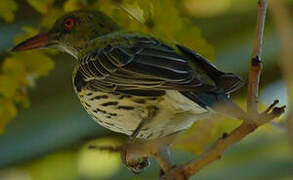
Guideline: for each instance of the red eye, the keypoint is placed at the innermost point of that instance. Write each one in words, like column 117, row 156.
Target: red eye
column 69, row 23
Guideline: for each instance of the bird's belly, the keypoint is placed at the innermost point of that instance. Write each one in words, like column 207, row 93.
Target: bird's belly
column 163, row 115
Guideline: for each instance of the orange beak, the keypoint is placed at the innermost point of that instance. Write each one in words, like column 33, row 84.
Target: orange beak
column 39, row 41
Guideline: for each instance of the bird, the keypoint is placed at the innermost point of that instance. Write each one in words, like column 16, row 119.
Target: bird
column 134, row 83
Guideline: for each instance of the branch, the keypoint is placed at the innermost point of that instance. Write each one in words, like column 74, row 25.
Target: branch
column 256, row 64
column 215, row 152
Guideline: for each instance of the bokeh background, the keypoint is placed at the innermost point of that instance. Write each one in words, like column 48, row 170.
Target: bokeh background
column 45, row 133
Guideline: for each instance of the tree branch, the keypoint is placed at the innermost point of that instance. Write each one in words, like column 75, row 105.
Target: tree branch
column 256, row 64
column 215, row 152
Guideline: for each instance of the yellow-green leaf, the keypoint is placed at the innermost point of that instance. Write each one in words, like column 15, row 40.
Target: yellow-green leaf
column 37, row 63
column 7, row 10
column 99, row 164
column 133, row 8
column 28, row 32
column 204, row 8
column 204, row 132
column 41, row 6
column 50, row 17
column 71, row 5
column 8, row 86
column 7, row 112
column 14, row 67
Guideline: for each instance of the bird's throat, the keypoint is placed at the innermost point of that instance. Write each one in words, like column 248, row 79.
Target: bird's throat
column 70, row 50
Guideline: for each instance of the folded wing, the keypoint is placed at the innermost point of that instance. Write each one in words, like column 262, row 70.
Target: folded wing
column 143, row 66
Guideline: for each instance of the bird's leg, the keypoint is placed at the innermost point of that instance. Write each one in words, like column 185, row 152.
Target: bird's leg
column 138, row 164
column 136, row 131
column 137, row 160
column 136, row 154
column 151, row 112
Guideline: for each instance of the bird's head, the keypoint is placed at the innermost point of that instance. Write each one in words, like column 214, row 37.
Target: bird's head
column 71, row 31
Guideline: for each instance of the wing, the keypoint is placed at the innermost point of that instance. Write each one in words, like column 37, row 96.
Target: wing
column 229, row 82
column 139, row 66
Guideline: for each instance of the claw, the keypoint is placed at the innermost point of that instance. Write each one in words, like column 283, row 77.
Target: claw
column 138, row 165
column 135, row 164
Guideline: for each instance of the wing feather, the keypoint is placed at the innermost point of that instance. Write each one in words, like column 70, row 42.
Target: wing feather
column 142, row 65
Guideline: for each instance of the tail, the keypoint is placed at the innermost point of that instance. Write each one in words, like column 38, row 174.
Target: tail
column 229, row 82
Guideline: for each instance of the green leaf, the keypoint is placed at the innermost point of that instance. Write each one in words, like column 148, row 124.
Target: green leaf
column 41, row 6
column 99, row 164
column 63, row 164
column 203, row 132
column 28, row 32
column 134, row 10
column 204, row 8
column 8, row 86
column 71, row 5
column 38, row 63
column 7, row 112
column 7, row 10
column 14, row 67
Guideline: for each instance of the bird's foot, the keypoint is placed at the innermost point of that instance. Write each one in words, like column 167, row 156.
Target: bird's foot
column 135, row 156
column 134, row 159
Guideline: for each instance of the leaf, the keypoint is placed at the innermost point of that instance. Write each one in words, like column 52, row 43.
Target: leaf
column 20, row 71
column 191, row 37
column 13, row 67
column 7, row 112
column 99, row 164
column 55, row 166
column 28, row 32
column 49, row 18
column 134, row 10
column 38, row 63
column 204, row 132
column 41, row 6
column 72, row 5
column 149, row 17
column 203, row 8
column 7, row 10
column 8, row 86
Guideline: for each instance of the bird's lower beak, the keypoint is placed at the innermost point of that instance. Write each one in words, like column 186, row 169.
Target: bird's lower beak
column 42, row 40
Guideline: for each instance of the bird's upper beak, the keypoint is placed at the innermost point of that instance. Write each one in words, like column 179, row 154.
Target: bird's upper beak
column 42, row 40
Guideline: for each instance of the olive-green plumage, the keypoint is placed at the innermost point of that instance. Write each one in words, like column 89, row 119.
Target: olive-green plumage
column 133, row 83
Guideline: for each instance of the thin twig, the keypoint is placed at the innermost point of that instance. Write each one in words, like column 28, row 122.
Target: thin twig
column 215, row 152
column 271, row 106
column 260, row 23
column 256, row 64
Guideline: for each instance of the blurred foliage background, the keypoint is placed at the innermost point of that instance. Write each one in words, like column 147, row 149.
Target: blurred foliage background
column 45, row 132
